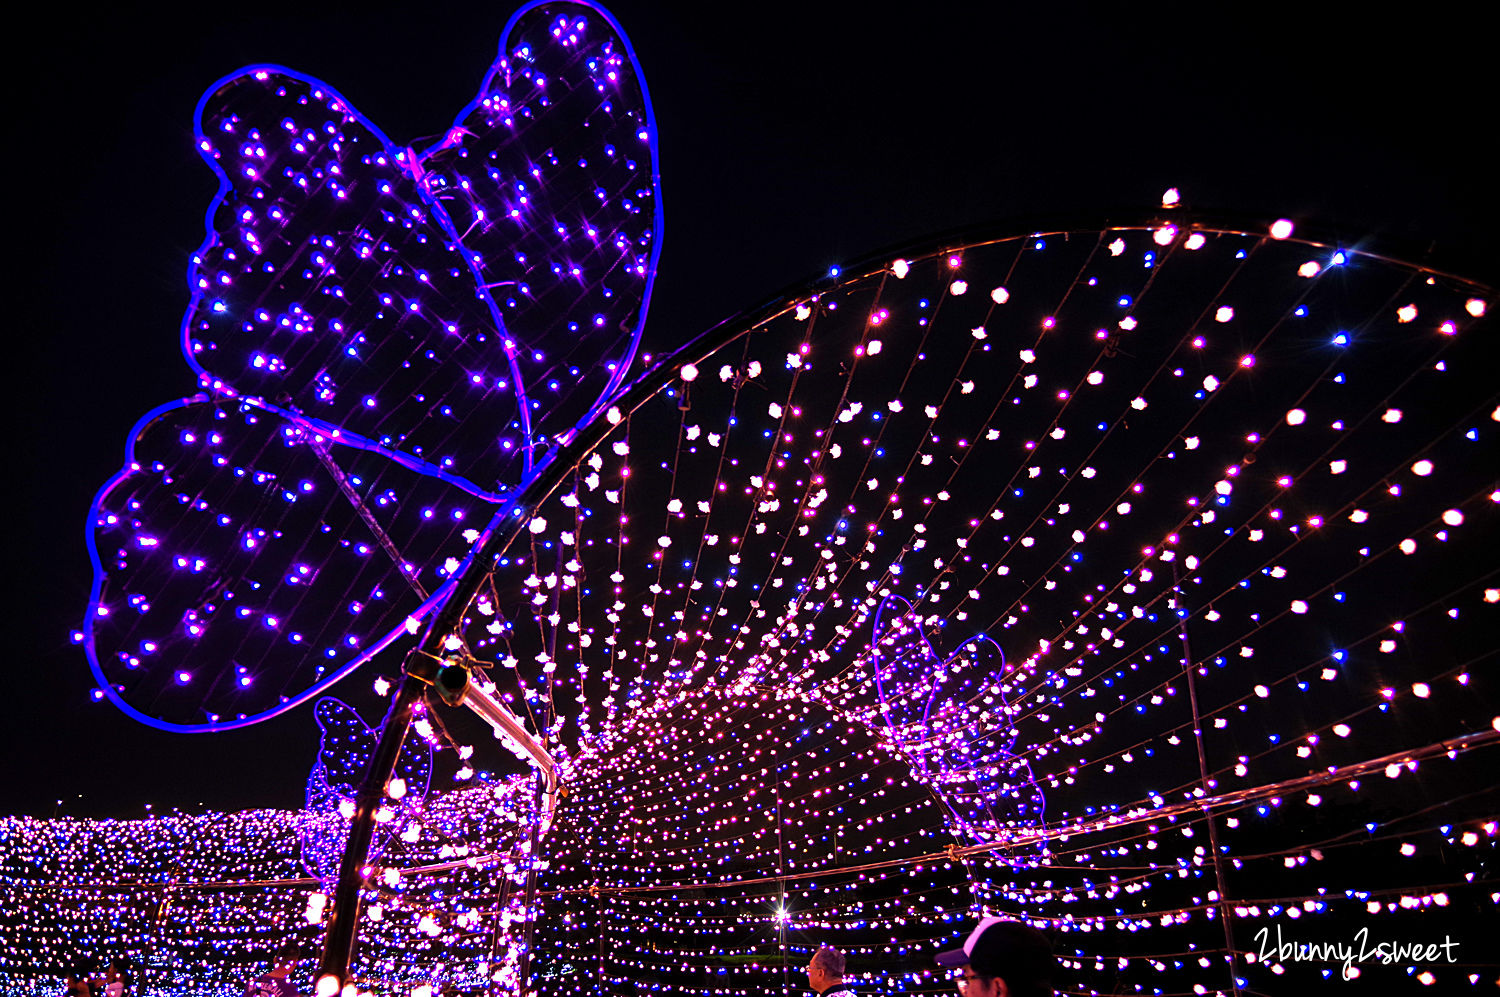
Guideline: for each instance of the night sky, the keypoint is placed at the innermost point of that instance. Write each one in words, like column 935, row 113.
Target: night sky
column 790, row 140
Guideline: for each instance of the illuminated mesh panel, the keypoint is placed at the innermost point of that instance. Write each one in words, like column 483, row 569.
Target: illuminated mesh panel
column 197, row 904
column 550, row 176
column 718, row 832
column 80, row 891
column 446, row 901
column 379, row 370
column 234, row 573
column 1150, row 466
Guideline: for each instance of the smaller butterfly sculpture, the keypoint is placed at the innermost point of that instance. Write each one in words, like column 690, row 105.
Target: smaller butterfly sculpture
column 344, row 751
column 387, row 340
column 952, row 719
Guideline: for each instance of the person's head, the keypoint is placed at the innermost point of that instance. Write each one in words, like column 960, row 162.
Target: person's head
column 826, row 969
column 285, row 960
column 1003, row 959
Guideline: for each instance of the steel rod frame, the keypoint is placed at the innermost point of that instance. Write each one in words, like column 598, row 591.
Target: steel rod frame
column 338, row 945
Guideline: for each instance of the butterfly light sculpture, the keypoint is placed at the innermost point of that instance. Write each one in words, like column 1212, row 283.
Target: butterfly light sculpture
column 389, row 340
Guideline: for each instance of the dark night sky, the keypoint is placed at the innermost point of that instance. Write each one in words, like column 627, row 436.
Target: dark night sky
column 790, row 140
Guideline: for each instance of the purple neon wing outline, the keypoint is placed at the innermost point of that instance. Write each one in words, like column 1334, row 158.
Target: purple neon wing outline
column 213, row 542
column 928, row 708
column 286, row 377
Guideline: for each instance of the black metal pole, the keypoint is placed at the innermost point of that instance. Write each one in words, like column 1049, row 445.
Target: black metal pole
column 338, row 946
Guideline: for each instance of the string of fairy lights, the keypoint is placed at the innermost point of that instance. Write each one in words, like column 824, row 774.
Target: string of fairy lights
column 1131, row 582
column 1121, row 680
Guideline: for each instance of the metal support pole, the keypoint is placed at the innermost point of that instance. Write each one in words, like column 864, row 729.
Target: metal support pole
column 497, row 934
column 781, row 911
column 537, row 484
column 338, row 946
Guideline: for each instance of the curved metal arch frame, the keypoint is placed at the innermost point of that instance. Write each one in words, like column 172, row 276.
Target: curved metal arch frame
column 550, row 473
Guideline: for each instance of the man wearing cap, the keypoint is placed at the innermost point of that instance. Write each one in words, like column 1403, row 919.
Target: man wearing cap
column 1003, row 959
column 825, row 973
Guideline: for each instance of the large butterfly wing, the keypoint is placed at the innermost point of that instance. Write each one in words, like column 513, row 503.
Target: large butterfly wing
column 551, row 178
column 332, row 289
column 240, row 569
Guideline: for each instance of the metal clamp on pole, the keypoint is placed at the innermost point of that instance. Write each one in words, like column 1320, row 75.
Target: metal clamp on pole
column 449, row 677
